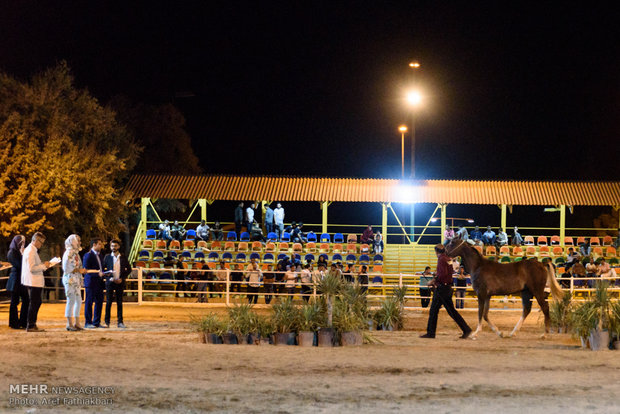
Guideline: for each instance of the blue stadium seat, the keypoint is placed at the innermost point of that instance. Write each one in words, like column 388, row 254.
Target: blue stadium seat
column 158, row 255
column 325, row 238
column 255, row 256
column 297, row 257
column 377, row 279
column 282, row 256
column 309, row 258
column 245, row 236
column 351, row 259
column 324, row 256
column 186, row 256
column 241, row 258
column 151, row 234
column 364, row 259
column 268, row 258
column 272, row 236
column 231, row 236
column 190, row 235
column 144, row 255
column 378, row 259
column 213, row 257
column 286, row 237
column 311, row 237
column 199, row 255
column 227, row 257
column 337, row 257
column 338, row 238
column 173, row 253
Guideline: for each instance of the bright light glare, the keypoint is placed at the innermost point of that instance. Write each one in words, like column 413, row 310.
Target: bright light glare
column 414, row 98
column 407, row 194
column 414, row 64
column 434, row 219
column 470, row 220
column 402, row 128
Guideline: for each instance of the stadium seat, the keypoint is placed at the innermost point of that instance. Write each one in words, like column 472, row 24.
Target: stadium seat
column 186, row 255
column 297, row 257
column 245, row 236
column 257, row 246
column 541, row 241
column 215, row 245
column 337, row 258
column 491, row 251
column 173, row 253
column 324, row 248
column 555, row 240
column 597, row 251
column 229, row 246
column 147, row 244
column 610, row 251
column 199, row 255
column 243, row 247
column 255, row 256
column 311, row 237
column 272, row 236
column 518, row 259
column 568, row 241
column 352, row 238
column 560, row 260
column 337, row 248
column 377, row 280
column 614, row 262
column 213, row 257
column 282, row 256
column 227, row 257
column 530, row 251
column 378, row 259
column 595, row 241
column 309, row 258
column 158, row 255
column 581, row 240
column 608, row 241
column 364, row 259
column 297, row 247
column 174, row 245
column 557, row 251
column 161, row 245
column 311, row 247
column 528, row 240
column 504, row 251
column 151, row 234
column 188, row 245
column 240, row 258
column 352, row 248
column 190, row 235
column 544, row 251
column 364, row 248
column 270, row 247
column 517, row 251
column 479, row 248
column 505, row 259
column 283, row 247
column 231, row 236
column 325, row 238
column 351, row 259
column 268, row 258
column 140, row 264
column 286, row 237
column 324, row 256
column 144, row 255
column 338, row 238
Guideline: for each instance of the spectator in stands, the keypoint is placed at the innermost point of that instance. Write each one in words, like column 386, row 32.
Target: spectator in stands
column 257, row 233
column 362, row 279
column 502, row 237
column 517, row 240
column 14, row 284
column 319, row 273
column 73, row 281
column 476, row 235
column 489, row 236
column 462, row 233
column 249, row 217
column 269, row 277
column 378, row 243
column 290, row 277
column 571, row 259
column 348, row 274
column 202, row 231
column 278, row 218
column 253, row 276
column 203, row 286
column 368, row 237
column 164, row 231
column 425, row 290
column 461, row 286
column 448, row 235
column 177, row 231
column 280, row 274
column 584, row 248
column 222, row 274
column 239, row 218
column 604, row 270
column 236, row 278
column 297, row 235
column 616, row 243
column 321, row 262
column 268, row 219
column 334, row 271
column 217, row 233
column 306, row 282
column 591, row 271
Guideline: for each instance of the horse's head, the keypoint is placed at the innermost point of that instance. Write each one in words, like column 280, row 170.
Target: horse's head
column 455, row 247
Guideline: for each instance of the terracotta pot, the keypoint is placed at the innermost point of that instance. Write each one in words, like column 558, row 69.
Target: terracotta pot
column 353, row 338
column 305, row 338
column 326, row 337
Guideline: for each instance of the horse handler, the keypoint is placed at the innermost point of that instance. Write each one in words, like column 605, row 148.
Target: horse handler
column 442, row 295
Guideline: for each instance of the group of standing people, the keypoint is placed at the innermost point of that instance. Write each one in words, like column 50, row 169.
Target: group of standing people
column 93, row 272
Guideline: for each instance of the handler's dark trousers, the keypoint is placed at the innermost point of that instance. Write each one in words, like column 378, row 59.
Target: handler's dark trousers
column 442, row 295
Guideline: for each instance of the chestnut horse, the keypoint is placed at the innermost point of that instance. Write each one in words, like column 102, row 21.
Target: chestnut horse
column 489, row 278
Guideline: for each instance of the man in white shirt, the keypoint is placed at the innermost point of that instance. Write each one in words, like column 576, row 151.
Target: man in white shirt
column 202, row 231
column 249, row 217
column 278, row 218
column 502, row 237
column 306, row 282
column 33, row 279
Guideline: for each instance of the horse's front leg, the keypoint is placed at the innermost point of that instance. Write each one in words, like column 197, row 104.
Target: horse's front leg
column 480, row 313
column 486, row 317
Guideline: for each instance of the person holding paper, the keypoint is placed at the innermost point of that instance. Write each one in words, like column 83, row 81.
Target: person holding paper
column 72, row 280
column 117, row 269
column 94, row 284
column 33, row 279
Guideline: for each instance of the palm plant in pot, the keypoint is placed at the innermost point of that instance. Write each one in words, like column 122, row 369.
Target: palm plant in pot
column 241, row 321
column 311, row 317
column 348, row 323
column 285, row 317
column 593, row 319
column 560, row 312
column 265, row 329
column 330, row 287
column 389, row 316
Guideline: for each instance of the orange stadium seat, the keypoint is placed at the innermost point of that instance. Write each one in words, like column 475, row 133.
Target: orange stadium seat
column 544, row 251
column 352, row 238
column 607, row 241
column 530, row 251
column 517, row 251
column 311, row 247
column 229, row 246
column 297, row 247
column 337, row 248
column 479, row 248
column 147, row 244
column 528, row 240
column 542, row 241
column 160, row 245
column 557, row 251
column 597, row 251
column 243, row 247
column 188, row 245
column 257, row 246
column 610, row 251
column 283, row 247
column 364, row 248
column 491, row 251
column 504, row 251
column 351, row 248
column 555, row 240
column 175, row 245
column 581, row 240
column 270, row 247
column 568, row 241
column 324, row 248
column 595, row 241
column 216, row 245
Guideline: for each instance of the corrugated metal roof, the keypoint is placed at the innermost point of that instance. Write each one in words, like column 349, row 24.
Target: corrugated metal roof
column 228, row 187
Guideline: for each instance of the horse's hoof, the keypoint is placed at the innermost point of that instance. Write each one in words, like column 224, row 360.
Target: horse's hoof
column 500, row 334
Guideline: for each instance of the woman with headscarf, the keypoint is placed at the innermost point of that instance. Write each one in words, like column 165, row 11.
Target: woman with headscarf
column 14, row 285
column 73, row 281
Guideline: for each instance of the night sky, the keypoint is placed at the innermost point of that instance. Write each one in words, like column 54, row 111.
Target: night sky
column 510, row 93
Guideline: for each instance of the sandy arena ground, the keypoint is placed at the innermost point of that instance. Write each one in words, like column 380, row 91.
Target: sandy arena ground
column 157, row 365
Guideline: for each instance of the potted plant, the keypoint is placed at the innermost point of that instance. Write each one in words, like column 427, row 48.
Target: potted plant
column 594, row 319
column 228, row 335
column 389, row 316
column 330, row 286
column 615, row 324
column 241, row 321
column 265, row 329
column 310, row 318
column 198, row 325
column 285, row 317
column 348, row 323
column 560, row 312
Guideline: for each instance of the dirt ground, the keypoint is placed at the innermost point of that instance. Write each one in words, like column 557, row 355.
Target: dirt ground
column 157, row 365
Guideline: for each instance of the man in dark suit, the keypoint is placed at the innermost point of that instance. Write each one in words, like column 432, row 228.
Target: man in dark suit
column 93, row 284
column 118, row 264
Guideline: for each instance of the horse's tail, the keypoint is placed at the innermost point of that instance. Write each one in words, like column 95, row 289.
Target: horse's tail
column 556, row 289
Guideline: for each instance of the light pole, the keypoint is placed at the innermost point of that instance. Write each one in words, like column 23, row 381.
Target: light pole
column 413, row 99
column 403, row 130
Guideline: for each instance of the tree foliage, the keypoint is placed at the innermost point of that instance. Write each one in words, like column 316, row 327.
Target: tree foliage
column 64, row 157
